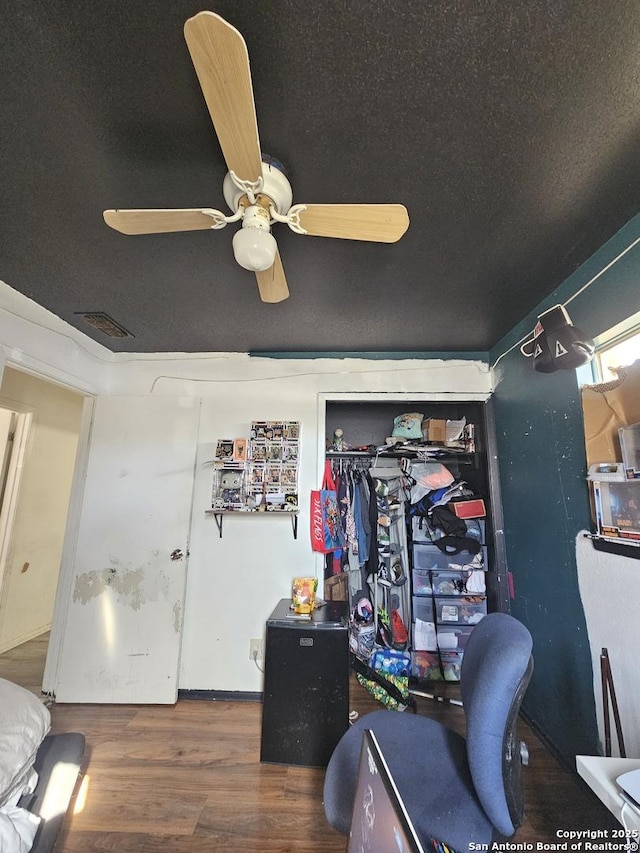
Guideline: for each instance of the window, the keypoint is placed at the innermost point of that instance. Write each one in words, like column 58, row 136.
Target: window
column 618, row 347
column 610, row 401
column 619, row 354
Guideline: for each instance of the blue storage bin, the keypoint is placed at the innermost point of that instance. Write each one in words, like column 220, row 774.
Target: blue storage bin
column 391, row 661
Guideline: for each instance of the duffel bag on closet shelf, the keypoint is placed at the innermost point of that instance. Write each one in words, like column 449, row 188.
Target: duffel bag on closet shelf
column 326, row 530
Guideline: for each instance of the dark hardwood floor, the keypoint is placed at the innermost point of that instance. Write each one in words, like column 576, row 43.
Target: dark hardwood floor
column 187, row 778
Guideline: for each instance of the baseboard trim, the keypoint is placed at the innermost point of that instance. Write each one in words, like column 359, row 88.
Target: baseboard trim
column 13, row 643
column 221, row 695
column 549, row 746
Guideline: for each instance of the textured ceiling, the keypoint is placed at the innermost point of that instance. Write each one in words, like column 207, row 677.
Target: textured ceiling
column 509, row 130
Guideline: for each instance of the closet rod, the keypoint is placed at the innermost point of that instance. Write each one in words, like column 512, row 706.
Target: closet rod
column 461, row 458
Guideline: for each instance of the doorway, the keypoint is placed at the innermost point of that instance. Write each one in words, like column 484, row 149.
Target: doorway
column 42, row 422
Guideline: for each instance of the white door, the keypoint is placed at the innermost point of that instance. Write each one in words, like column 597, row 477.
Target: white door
column 123, row 623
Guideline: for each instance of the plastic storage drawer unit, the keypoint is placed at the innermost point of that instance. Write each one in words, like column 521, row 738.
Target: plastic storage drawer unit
column 429, row 556
column 463, row 610
column 446, row 638
column 436, row 666
column 451, row 638
column 420, row 531
column 423, row 636
column 450, row 583
column 421, row 579
column 423, row 608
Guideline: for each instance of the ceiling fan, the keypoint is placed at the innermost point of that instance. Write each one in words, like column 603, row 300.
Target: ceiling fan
column 256, row 187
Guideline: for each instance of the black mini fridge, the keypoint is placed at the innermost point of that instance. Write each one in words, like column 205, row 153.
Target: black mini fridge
column 305, row 708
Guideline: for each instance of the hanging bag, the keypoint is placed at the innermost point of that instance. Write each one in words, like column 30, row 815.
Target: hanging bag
column 326, row 529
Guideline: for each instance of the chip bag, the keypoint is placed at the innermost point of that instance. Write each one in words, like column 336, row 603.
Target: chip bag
column 303, row 594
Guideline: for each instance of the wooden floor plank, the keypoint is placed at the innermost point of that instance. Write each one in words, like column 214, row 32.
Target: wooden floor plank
column 122, row 842
column 188, row 778
column 24, row 664
column 266, row 825
column 108, row 807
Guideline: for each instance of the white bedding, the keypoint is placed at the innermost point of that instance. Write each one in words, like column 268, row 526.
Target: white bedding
column 18, row 827
column 24, row 722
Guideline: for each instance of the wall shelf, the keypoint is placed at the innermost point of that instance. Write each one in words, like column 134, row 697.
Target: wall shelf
column 219, row 514
column 619, row 547
column 462, row 458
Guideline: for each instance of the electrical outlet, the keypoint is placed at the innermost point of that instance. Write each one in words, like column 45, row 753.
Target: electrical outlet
column 256, row 649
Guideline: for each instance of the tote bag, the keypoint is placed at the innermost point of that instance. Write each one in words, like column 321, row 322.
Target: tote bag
column 326, row 530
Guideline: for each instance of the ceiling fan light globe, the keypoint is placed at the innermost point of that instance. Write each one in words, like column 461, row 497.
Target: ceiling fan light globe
column 254, row 249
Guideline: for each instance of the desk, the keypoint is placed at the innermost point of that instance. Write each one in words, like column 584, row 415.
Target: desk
column 600, row 774
column 305, row 707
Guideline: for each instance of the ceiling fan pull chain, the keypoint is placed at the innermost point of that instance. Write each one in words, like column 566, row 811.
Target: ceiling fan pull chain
column 219, row 220
column 251, row 188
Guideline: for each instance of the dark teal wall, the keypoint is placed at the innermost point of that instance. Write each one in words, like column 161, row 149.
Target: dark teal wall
column 542, row 471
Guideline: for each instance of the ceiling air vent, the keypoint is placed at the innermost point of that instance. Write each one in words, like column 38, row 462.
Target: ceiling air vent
column 104, row 323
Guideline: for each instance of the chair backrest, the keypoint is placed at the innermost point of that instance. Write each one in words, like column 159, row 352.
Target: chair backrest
column 496, row 669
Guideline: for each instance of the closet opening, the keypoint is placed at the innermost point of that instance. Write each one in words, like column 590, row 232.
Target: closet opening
column 427, row 595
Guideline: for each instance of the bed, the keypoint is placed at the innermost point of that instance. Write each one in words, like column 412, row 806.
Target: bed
column 38, row 772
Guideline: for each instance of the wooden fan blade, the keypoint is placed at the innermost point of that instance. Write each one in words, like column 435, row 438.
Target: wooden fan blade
column 272, row 283
column 381, row 223
column 157, row 221
column 221, row 61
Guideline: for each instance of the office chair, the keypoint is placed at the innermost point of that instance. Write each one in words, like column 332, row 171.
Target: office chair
column 456, row 790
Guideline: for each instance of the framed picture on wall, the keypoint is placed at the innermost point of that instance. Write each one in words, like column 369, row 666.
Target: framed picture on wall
column 240, row 450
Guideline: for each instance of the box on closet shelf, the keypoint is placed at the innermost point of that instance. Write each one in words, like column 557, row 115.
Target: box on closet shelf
column 435, row 430
column 473, row 508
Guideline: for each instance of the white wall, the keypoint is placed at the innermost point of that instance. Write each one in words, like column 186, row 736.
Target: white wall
column 233, row 583
column 611, row 599
column 36, row 341
column 31, row 574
